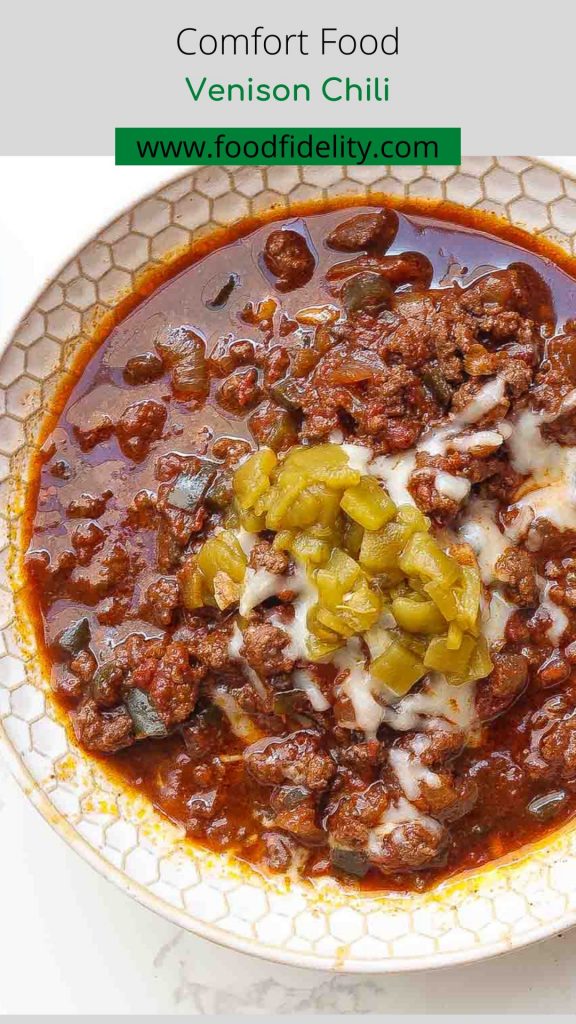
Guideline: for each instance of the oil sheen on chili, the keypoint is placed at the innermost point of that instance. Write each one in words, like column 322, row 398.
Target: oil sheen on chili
column 302, row 546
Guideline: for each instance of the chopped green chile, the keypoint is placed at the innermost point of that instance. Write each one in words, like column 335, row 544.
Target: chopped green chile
column 220, row 492
column 145, row 717
column 75, row 637
column 437, row 384
column 351, row 862
column 288, row 394
column 189, row 489
column 280, row 431
column 366, row 292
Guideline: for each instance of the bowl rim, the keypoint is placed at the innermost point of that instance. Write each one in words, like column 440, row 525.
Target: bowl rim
column 182, row 918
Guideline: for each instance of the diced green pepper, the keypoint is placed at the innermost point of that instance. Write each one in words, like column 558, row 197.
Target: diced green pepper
column 252, row 478
column 334, row 622
column 418, row 616
column 192, row 584
column 452, row 663
column 397, row 668
column 222, row 553
column 360, row 607
column 444, row 598
column 336, row 578
column 423, row 557
column 468, row 598
column 368, row 504
column 352, row 538
column 480, row 664
column 454, row 637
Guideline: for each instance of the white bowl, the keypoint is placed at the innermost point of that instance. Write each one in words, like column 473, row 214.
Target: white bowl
column 525, row 897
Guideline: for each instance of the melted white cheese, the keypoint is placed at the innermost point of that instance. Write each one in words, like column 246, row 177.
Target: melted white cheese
column 297, row 629
column 411, row 773
column 359, row 456
column 551, row 466
column 259, row 585
column 357, row 686
column 303, row 681
column 495, row 618
column 454, row 487
column 559, row 618
column 478, row 527
column 395, row 472
column 480, row 440
column 437, row 702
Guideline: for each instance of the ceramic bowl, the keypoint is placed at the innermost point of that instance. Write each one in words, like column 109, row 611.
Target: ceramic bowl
column 523, row 898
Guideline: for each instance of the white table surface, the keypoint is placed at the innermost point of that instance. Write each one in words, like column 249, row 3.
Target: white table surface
column 73, row 943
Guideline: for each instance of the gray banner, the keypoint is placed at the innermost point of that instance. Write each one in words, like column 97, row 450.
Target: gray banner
column 70, row 72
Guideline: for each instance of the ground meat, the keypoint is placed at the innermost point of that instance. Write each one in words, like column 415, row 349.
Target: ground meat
column 104, row 732
column 211, row 648
column 558, row 747
column 170, row 681
column 264, row 648
column 88, row 506
column 500, row 781
column 450, row 798
column 143, row 369
column 100, row 429
column 83, row 665
column 297, row 758
column 519, row 288
column 86, row 539
column 503, row 685
column 351, row 815
column 203, row 736
column 515, row 568
column 140, row 425
column 550, row 752
column 161, row 600
column 240, row 391
column 264, row 556
column 300, row 821
column 408, row 846
column 109, row 566
column 371, row 232
column 288, row 257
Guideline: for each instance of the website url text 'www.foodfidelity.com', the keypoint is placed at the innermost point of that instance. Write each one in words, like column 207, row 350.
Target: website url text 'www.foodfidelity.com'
column 313, row 146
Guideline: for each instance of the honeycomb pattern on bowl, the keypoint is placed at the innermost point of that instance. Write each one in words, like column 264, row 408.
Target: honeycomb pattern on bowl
column 504, row 906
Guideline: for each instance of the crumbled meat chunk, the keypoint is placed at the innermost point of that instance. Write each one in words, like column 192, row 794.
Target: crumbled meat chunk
column 211, row 647
column 408, row 846
column 161, row 600
column 298, row 758
column 300, row 821
column 352, row 814
column 371, row 232
column 170, row 681
column 104, row 732
column 264, row 648
column 140, row 425
column 515, row 568
column 288, row 257
column 240, row 391
column 264, row 556
column 506, row 681
column 87, row 506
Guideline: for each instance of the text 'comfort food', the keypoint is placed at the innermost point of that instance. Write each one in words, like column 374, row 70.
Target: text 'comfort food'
column 303, row 547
